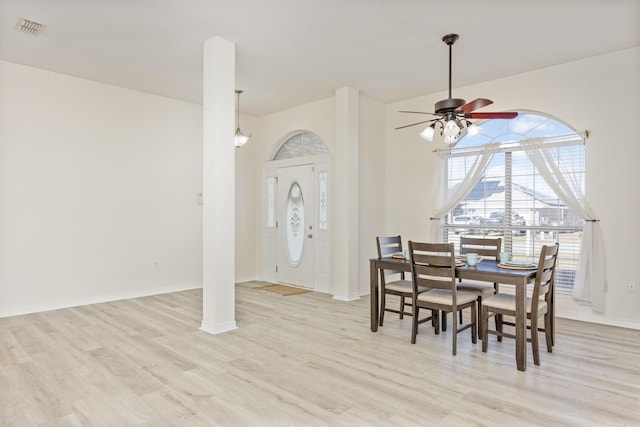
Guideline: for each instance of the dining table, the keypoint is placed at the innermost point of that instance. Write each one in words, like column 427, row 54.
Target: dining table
column 486, row 270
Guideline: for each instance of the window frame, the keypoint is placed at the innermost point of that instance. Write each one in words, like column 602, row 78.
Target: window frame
column 535, row 234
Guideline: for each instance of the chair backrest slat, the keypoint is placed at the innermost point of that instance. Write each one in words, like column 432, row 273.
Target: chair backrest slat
column 433, row 265
column 545, row 276
column 387, row 246
column 484, row 247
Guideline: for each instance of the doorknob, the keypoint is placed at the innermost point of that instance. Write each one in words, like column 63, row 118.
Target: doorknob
column 310, row 235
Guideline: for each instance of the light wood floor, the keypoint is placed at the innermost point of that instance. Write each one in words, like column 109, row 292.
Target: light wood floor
column 303, row 360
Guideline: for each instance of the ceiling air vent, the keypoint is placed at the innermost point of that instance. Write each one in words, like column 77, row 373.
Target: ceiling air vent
column 29, row 27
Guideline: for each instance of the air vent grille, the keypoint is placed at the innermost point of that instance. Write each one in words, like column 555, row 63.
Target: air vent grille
column 29, row 27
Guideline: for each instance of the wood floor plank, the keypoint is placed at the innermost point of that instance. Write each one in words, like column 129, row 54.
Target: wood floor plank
column 300, row 360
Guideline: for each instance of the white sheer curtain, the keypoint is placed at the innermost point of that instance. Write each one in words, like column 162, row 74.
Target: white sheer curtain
column 448, row 198
column 590, row 283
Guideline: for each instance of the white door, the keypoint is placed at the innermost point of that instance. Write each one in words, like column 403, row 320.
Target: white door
column 295, row 226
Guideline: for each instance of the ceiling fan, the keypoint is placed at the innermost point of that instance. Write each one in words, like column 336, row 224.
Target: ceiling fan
column 453, row 114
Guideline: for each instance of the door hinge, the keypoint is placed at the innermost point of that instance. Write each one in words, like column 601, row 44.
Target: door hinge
column 276, row 268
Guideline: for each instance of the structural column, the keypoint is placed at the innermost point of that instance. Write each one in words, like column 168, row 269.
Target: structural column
column 346, row 256
column 218, row 221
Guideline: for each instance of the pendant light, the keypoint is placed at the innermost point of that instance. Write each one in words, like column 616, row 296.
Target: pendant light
column 239, row 139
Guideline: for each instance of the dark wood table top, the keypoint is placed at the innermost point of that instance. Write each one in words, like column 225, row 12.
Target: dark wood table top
column 486, row 270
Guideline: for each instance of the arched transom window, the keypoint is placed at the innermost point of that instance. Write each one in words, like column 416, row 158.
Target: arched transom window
column 302, row 144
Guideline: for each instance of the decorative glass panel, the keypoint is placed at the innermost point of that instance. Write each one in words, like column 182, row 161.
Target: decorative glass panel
column 302, row 145
column 295, row 224
column 271, row 202
column 322, row 201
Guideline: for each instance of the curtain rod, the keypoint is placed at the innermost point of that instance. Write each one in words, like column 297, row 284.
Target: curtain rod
column 557, row 140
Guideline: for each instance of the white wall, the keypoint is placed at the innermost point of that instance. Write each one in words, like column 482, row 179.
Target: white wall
column 409, row 168
column 599, row 94
column 97, row 185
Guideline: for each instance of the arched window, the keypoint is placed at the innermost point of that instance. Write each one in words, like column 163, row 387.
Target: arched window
column 512, row 199
column 302, row 144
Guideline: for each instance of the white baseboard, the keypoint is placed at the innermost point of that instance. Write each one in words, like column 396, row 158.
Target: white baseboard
column 37, row 308
column 585, row 317
column 243, row 279
column 218, row 328
column 349, row 297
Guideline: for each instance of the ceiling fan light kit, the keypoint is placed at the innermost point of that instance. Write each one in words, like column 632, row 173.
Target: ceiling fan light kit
column 453, row 113
column 473, row 129
column 429, row 132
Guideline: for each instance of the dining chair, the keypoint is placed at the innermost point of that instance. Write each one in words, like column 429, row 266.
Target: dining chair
column 433, row 266
column 537, row 305
column 393, row 282
column 487, row 248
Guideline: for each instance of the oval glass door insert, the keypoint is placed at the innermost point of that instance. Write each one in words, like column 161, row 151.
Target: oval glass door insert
column 295, row 224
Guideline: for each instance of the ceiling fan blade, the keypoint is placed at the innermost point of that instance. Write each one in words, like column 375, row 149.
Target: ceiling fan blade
column 415, row 112
column 474, row 105
column 505, row 115
column 415, row 124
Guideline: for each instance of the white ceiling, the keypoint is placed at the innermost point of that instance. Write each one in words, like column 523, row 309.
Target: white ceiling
column 290, row 52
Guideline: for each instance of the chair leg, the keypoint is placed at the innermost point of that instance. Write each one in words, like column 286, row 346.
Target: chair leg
column 460, row 311
column 474, row 320
column 383, row 302
column 444, row 321
column 548, row 336
column 534, row 339
column 454, row 332
column 401, row 307
column 478, row 323
column 498, row 318
column 485, row 329
column 414, row 323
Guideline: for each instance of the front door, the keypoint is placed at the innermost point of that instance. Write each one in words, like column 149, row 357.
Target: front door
column 295, row 226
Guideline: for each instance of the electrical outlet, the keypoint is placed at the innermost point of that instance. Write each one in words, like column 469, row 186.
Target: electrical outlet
column 631, row 287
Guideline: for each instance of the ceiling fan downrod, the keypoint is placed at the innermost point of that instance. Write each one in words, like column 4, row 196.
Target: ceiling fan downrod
column 449, row 104
column 450, row 39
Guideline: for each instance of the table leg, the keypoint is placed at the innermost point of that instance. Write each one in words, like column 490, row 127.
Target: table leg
column 373, row 295
column 521, row 327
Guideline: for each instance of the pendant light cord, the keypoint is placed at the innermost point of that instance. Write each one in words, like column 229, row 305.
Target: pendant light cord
column 238, row 92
